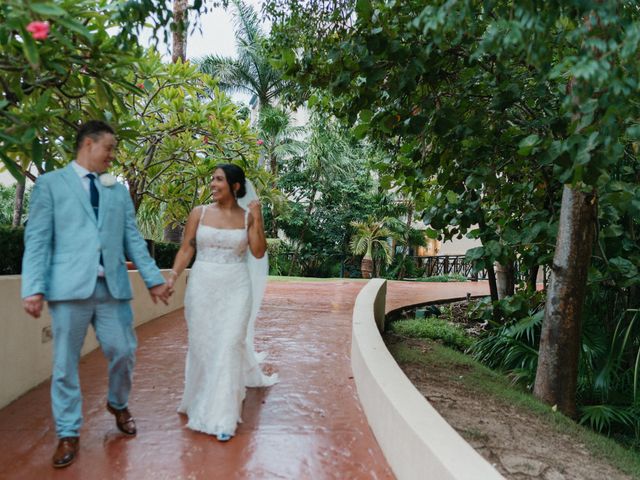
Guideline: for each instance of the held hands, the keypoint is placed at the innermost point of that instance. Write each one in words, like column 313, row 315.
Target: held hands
column 161, row 292
column 33, row 305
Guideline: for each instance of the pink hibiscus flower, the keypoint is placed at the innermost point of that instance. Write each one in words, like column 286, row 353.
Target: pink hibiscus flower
column 38, row 30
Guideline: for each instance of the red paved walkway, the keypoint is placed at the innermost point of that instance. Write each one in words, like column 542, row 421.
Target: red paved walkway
column 308, row 426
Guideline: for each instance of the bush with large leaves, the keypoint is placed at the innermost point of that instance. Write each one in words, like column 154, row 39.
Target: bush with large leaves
column 51, row 84
column 509, row 106
column 175, row 127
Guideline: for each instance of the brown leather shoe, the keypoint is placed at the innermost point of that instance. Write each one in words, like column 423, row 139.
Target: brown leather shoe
column 124, row 420
column 66, row 452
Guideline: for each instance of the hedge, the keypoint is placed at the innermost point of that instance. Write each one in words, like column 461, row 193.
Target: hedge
column 165, row 253
column 12, row 249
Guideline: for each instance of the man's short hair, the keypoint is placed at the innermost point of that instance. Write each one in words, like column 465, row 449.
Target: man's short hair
column 93, row 129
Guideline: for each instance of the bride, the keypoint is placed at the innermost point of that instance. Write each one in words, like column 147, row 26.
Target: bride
column 225, row 288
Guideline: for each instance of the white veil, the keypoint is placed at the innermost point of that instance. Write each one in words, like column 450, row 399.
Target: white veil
column 258, row 272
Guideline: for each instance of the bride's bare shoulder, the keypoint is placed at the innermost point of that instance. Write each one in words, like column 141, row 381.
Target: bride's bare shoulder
column 197, row 211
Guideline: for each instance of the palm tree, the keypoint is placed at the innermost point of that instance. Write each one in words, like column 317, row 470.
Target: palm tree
column 180, row 17
column 278, row 137
column 329, row 154
column 251, row 72
column 279, row 141
column 371, row 235
column 173, row 232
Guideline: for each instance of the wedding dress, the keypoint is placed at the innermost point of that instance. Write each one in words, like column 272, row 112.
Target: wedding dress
column 220, row 308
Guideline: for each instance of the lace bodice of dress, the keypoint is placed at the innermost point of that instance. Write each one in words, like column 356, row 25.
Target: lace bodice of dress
column 221, row 245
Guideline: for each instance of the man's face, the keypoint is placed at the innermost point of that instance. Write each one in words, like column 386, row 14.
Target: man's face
column 102, row 151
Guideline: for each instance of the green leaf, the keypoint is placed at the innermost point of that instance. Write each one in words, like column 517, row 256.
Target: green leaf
column 29, row 135
column 30, row 49
column 452, row 197
column 364, row 8
column 526, row 145
column 75, row 27
column 365, row 116
column 633, row 132
column 361, row 130
column 474, row 254
column 9, row 138
column 624, row 267
column 12, row 167
column 37, row 151
column 493, row 248
column 47, row 9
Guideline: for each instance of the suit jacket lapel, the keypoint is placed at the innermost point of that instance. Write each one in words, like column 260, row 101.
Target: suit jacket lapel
column 75, row 184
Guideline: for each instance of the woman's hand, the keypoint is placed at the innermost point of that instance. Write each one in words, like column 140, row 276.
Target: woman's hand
column 257, row 240
column 255, row 208
column 171, row 279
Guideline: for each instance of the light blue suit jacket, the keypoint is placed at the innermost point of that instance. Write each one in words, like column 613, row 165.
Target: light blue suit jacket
column 64, row 240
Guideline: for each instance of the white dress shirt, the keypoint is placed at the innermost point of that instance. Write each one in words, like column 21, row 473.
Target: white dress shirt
column 82, row 173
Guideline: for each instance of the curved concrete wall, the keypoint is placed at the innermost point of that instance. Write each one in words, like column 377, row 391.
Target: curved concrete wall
column 25, row 342
column 417, row 442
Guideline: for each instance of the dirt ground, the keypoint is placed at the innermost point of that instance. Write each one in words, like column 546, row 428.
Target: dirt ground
column 520, row 444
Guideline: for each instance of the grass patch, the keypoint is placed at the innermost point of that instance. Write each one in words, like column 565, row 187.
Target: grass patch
column 480, row 377
column 435, row 329
column 403, row 354
column 454, row 277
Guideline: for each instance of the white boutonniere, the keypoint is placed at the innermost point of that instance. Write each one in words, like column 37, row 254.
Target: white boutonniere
column 107, row 180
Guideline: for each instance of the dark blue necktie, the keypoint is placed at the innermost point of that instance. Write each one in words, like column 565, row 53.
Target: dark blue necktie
column 93, row 192
column 95, row 198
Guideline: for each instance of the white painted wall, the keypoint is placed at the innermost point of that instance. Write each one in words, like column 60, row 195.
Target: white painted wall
column 416, row 441
column 458, row 247
column 25, row 343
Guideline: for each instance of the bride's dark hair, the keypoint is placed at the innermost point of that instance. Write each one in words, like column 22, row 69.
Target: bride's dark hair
column 234, row 174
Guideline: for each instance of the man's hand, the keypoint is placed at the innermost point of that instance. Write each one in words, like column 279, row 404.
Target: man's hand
column 33, row 305
column 161, row 292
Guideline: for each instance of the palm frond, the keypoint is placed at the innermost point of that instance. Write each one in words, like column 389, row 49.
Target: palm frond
column 246, row 23
column 251, row 72
column 601, row 417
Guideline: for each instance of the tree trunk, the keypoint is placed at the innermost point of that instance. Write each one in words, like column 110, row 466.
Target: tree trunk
column 273, row 164
column 180, row 17
column 505, row 279
column 366, row 267
column 18, row 204
column 493, row 285
column 532, row 278
column 405, row 250
column 274, row 184
column 173, row 234
column 557, row 375
column 491, row 273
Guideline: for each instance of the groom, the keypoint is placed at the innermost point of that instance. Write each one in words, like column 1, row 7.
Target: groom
column 80, row 228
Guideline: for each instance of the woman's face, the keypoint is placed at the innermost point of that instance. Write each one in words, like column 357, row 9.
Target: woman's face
column 219, row 186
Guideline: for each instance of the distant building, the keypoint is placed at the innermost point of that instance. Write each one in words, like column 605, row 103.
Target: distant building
column 458, row 247
column 436, row 247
